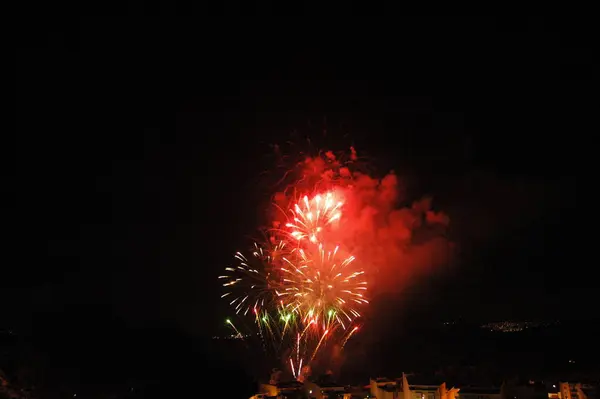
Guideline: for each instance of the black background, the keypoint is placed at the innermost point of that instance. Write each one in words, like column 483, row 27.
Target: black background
column 141, row 144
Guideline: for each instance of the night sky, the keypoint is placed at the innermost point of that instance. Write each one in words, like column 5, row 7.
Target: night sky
column 144, row 151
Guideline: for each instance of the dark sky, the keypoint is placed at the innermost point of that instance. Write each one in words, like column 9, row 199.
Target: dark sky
column 140, row 147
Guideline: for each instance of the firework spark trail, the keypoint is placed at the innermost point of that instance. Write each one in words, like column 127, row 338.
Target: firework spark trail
column 298, row 348
column 319, row 345
column 238, row 333
column 348, row 336
column 292, row 366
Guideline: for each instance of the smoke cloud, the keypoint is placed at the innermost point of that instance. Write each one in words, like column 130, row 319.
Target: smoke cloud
column 396, row 240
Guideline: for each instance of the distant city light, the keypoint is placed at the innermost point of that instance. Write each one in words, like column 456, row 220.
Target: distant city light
column 515, row 326
column 234, row 336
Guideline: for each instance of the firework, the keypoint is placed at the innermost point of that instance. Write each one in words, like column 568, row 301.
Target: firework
column 318, row 301
column 322, row 287
column 309, row 217
column 302, row 292
column 251, row 282
column 300, row 298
